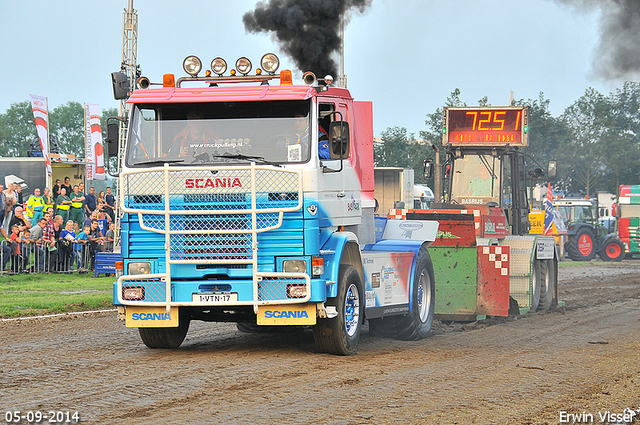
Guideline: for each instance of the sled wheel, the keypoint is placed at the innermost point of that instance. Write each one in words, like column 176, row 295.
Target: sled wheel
column 547, row 283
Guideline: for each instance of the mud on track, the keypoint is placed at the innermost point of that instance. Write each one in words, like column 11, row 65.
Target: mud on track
column 584, row 358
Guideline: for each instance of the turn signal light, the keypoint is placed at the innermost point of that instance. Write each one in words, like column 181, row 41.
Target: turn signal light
column 168, row 81
column 285, row 78
column 317, row 266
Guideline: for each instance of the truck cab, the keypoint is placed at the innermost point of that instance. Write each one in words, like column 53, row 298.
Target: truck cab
column 251, row 200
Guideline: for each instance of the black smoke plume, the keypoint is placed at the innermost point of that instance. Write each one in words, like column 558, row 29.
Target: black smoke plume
column 618, row 54
column 308, row 31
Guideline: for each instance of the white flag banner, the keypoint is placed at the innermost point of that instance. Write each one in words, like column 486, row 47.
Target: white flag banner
column 40, row 108
column 94, row 150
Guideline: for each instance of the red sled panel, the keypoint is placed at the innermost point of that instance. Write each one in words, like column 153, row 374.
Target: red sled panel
column 493, row 280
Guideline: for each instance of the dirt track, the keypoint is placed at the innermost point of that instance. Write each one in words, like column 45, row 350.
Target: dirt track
column 584, row 358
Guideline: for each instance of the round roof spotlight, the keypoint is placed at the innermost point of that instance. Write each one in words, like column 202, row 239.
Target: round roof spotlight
column 219, row 66
column 192, row 65
column 243, row 65
column 270, row 63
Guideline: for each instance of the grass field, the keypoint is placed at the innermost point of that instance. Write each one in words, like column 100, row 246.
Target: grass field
column 39, row 293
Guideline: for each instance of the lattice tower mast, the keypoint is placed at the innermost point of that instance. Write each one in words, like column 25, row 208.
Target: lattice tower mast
column 130, row 68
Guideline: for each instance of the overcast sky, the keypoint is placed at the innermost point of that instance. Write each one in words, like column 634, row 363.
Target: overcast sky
column 405, row 56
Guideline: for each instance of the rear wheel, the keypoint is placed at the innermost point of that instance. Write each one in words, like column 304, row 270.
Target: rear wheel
column 416, row 324
column 165, row 337
column 581, row 247
column 612, row 250
column 547, row 284
column 340, row 334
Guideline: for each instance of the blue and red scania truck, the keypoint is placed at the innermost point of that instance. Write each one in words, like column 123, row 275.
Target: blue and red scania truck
column 246, row 198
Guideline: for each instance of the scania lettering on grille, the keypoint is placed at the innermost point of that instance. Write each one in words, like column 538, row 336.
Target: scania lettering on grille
column 274, row 314
column 217, row 182
column 151, row 316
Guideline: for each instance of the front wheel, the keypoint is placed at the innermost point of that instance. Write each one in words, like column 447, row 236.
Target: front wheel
column 612, row 250
column 340, row 334
column 165, row 337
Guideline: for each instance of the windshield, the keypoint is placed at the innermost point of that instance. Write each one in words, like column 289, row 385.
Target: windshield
column 476, row 179
column 213, row 133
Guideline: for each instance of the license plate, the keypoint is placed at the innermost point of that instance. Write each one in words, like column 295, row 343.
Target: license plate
column 215, row 297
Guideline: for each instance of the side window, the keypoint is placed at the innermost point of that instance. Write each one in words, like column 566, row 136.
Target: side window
column 325, row 117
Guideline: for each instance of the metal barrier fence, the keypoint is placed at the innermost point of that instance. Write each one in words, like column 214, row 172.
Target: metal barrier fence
column 63, row 257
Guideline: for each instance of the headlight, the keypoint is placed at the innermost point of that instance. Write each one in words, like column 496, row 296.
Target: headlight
column 294, row 266
column 218, row 66
column 140, row 267
column 243, row 65
column 192, row 65
column 270, row 63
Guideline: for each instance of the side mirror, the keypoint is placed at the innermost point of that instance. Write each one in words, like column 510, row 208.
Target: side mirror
column 339, row 139
column 427, row 168
column 112, row 141
column 120, row 84
column 552, row 169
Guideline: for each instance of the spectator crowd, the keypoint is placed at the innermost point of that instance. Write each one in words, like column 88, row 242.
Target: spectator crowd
column 55, row 230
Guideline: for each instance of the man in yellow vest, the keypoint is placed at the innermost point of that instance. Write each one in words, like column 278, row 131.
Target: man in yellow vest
column 48, row 200
column 34, row 206
column 77, row 200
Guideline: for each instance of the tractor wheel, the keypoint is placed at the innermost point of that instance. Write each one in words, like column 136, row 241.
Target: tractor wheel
column 340, row 334
column 165, row 337
column 581, row 247
column 416, row 324
column 547, row 284
column 612, row 250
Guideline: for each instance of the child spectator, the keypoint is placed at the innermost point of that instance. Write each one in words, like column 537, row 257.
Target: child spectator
column 82, row 240
column 16, row 252
column 110, row 236
column 28, row 246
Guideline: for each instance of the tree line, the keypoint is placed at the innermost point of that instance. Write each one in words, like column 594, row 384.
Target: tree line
column 66, row 124
column 596, row 140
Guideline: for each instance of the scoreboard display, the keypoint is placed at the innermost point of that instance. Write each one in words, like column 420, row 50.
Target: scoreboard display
column 486, row 126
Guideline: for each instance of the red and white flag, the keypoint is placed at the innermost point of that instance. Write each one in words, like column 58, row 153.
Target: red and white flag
column 94, row 150
column 40, row 108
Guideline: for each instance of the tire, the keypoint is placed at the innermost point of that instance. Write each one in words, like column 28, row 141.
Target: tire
column 581, row 247
column 340, row 334
column 165, row 337
column 416, row 324
column 535, row 284
column 547, row 284
column 612, row 250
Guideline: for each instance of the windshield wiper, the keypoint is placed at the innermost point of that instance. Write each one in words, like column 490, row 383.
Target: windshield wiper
column 258, row 159
column 160, row 162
